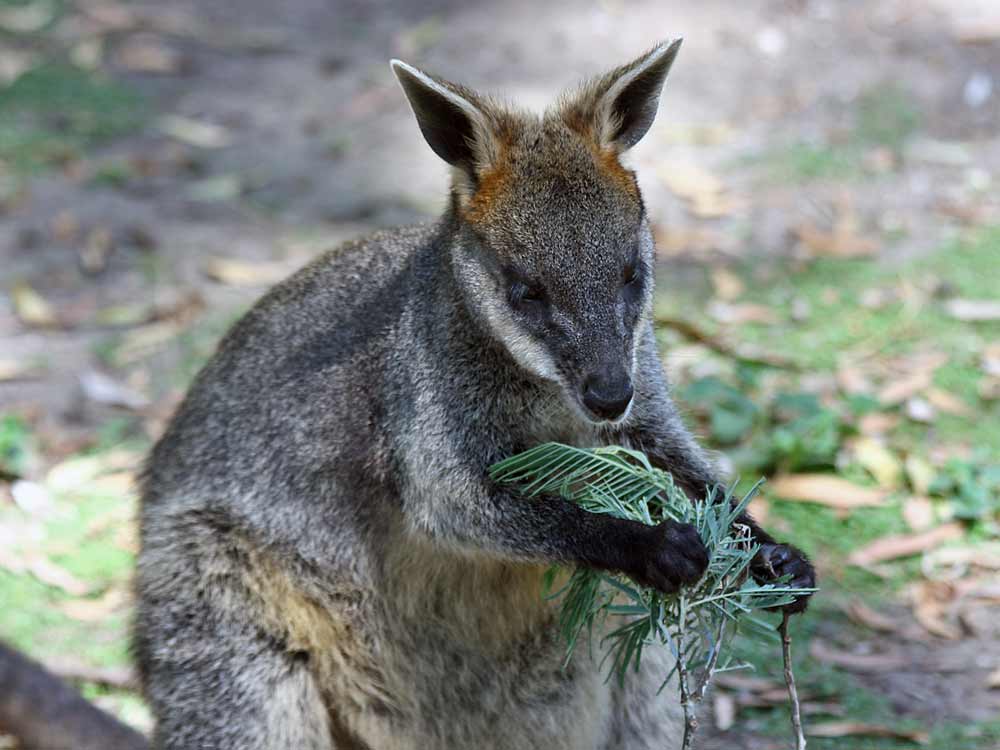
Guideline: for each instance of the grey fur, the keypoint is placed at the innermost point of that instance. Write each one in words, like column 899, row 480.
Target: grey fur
column 324, row 561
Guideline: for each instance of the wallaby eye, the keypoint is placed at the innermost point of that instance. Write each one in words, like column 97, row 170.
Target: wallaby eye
column 523, row 295
column 630, row 274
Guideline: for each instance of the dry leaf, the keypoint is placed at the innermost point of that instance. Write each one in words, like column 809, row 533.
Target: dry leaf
column 993, row 680
column 671, row 240
column 822, row 651
column 96, row 249
column 839, row 242
column 759, row 509
column 918, row 512
column 15, row 369
column 973, row 310
column 237, row 272
column 920, row 473
column 32, row 308
column 947, row 402
column 724, row 710
column 43, row 569
column 877, row 423
column 142, row 342
column 103, row 389
column 703, row 191
column 988, row 388
column 826, row 489
column 194, row 132
column 856, row 729
column 852, row 380
column 96, row 610
column 728, row 286
column 730, row 314
column 880, row 462
column 899, row 391
column 861, row 614
column 932, row 601
column 905, row 545
column 146, row 53
column 991, row 360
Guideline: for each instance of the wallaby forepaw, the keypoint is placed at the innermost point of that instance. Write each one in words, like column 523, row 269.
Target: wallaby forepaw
column 775, row 561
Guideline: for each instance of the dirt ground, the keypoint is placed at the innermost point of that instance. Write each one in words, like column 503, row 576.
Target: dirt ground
column 311, row 142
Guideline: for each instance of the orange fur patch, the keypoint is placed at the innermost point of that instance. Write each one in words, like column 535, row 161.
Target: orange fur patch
column 492, row 186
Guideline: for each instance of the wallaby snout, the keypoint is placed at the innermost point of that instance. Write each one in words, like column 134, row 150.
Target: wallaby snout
column 607, row 393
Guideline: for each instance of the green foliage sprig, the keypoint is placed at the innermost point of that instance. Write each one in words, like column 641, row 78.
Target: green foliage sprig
column 697, row 622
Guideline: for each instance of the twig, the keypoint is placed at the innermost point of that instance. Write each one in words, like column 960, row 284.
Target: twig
column 690, row 330
column 793, row 694
column 687, row 699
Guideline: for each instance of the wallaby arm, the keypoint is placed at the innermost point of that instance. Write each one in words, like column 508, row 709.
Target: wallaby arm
column 656, row 428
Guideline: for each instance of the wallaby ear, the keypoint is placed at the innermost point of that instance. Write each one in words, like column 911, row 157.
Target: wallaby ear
column 450, row 119
column 621, row 105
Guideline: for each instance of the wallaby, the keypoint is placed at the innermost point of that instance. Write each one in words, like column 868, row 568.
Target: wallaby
column 325, row 562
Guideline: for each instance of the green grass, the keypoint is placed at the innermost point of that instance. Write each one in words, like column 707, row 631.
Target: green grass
column 884, row 116
column 54, row 112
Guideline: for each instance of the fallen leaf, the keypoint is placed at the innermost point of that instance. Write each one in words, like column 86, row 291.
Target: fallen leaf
column 826, row 489
column 724, row 710
column 20, row 369
column 918, row 512
column 920, row 474
column 904, row 545
column 759, row 509
column 728, row 286
column 96, row 610
column 43, row 569
column 147, row 53
column 704, row 192
column 852, row 380
column 988, row 388
column 194, row 132
column 13, row 63
column 993, row 679
column 730, row 314
column 221, row 187
column 877, row 423
column 673, row 240
column 976, row 28
column 899, row 391
column 839, row 242
column 32, row 308
column 855, row 662
column 880, row 462
column 991, row 360
column 861, row 614
column 142, row 342
column 96, row 249
column 103, row 389
column 947, row 402
column 855, row 729
column 973, row 310
column 237, row 272
column 932, row 601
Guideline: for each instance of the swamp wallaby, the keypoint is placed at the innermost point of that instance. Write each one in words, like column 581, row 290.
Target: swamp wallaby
column 325, row 563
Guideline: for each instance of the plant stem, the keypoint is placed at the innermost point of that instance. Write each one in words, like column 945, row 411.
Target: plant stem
column 793, row 694
column 687, row 697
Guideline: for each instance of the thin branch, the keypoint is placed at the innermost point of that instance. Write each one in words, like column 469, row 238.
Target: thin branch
column 691, row 331
column 793, row 694
column 683, row 677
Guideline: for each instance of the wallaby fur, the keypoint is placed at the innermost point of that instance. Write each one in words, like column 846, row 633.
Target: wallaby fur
column 325, row 563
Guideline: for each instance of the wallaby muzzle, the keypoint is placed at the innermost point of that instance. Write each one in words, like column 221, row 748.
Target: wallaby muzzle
column 607, row 392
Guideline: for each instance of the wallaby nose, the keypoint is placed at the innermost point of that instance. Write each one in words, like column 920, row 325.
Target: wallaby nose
column 607, row 398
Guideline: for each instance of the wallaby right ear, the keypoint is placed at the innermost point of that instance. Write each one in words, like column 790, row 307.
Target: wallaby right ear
column 452, row 122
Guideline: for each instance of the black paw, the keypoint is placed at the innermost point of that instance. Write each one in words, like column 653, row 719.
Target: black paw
column 775, row 561
column 672, row 554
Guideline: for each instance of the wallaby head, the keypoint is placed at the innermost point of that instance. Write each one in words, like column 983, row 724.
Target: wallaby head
column 553, row 252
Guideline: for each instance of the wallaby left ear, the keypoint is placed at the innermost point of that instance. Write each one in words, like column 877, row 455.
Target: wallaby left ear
column 621, row 105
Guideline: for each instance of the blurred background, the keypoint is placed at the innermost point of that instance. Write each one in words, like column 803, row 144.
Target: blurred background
column 822, row 178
